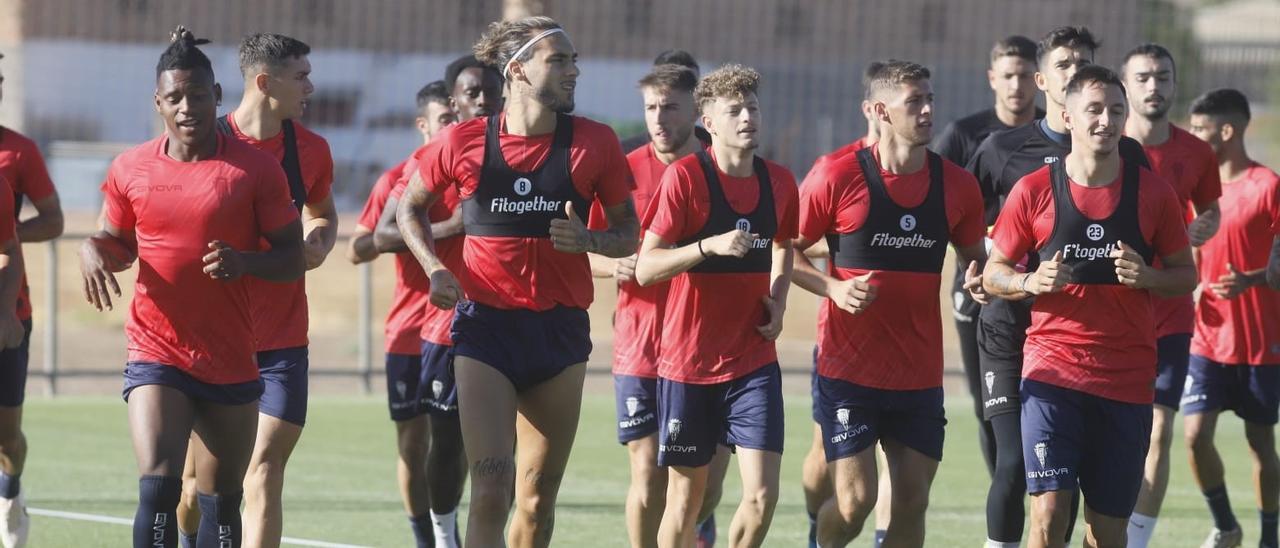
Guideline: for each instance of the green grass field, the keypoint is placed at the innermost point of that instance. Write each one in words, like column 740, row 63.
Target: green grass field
column 341, row 486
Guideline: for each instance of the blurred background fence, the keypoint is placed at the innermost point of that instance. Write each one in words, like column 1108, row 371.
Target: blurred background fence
column 79, row 80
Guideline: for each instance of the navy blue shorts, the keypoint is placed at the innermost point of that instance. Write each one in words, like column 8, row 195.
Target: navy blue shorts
column 636, row 401
column 526, row 346
column 694, row 418
column 1252, row 391
column 440, row 392
column 143, row 373
column 13, row 370
column 284, row 379
column 854, row 417
column 1172, row 354
column 404, row 386
column 1072, row 439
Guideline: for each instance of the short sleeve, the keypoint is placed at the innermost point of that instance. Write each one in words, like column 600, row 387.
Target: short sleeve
column 817, row 204
column 33, row 178
column 788, row 207
column 434, row 165
column 115, row 201
column 322, row 188
column 8, row 220
column 965, row 210
column 271, row 201
column 1170, row 234
column 669, row 209
column 1209, row 183
column 1012, row 234
column 372, row 209
column 614, row 183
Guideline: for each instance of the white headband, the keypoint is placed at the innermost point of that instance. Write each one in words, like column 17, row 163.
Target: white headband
column 526, row 47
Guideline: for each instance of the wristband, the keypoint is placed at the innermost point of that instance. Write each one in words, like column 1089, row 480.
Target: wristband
column 700, row 251
column 1023, row 286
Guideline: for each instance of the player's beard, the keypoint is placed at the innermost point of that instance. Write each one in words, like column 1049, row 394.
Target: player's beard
column 560, row 101
column 678, row 140
column 1159, row 113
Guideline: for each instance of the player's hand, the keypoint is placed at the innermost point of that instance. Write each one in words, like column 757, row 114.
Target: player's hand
column 99, row 260
column 624, row 269
column 223, row 262
column 1050, row 277
column 445, row 291
column 973, row 284
column 1131, row 269
column 853, row 295
column 773, row 310
column 313, row 249
column 570, row 235
column 1231, row 284
column 1204, row 227
column 734, row 243
column 11, row 330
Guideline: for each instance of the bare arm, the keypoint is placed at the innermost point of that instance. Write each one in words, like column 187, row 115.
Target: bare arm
column 1000, row 278
column 571, row 235
column 47, row 223
column 11, row 328
column 320, row 226
column 1205, row 225
column 1273, row 264
column 976, row 256
column 103, row 254
column 1177, row 275
column 360, row 248
column 660, row 261
column 775, row 303
column 410, row 216
column 284, row 262
column 387, row 235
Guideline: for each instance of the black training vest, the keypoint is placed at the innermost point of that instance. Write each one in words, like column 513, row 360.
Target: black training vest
column 292, row 166
column 516, row 204
column 763, row 221
column 1086, row 244
column 893, row 237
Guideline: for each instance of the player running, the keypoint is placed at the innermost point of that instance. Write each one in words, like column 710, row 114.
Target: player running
column 1011, row 76
column 201, row 212
column 1000, row 162
column 720, row 228
column 23, row 169
column 526, row 178
column 1189, row 165
column 1232, row 364
column 1097, row 221
column 880, row 366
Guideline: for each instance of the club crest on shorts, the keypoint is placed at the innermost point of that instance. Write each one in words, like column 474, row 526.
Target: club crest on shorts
column 1042, row 451
column 523, row 186
column 633, row 405
column 842, row 416
column 437, row 388
column 990, row 378
column 673, row 430
column 907, row 222
column 1095, row 232
column 743, row 225
column 401, row 388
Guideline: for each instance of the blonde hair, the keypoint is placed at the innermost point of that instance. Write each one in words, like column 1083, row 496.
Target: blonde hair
column 730, row 81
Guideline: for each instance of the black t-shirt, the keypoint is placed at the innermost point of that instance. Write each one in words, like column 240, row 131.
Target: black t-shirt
column 958, row 143
column 960, row 139
column 1003, row 159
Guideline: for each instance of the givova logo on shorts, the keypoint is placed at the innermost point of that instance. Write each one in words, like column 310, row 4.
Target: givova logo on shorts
column 674, row 426
column 848, row 431
column 1041, row 450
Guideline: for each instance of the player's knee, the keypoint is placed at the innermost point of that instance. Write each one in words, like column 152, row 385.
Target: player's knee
column 536, row 507
column 491, row 499
column 855, row 505
column 264, row 477
column 761, row 500
column 12, row 441
column 1262, row 441
column 1051, row 510
column 412, row 448
column 1198, row 439
column 909, row 503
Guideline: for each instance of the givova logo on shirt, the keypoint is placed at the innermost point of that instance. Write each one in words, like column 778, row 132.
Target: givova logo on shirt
column 674, row 426
column 744, row 225
column 523, row 187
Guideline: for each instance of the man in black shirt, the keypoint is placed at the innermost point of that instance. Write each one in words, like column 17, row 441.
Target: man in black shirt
column 1012, row 79
column 1000, row 161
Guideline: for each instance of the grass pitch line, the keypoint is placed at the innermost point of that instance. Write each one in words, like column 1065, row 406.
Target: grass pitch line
column 122, row 521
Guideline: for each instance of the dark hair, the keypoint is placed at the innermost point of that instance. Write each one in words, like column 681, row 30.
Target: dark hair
column 1089, row 74
column 183, row 53
column 1152, row 50
column 677, row 57
column 1073, row 37
column 894, row 73
column 269, row 50
column 435, row 92
column 670, row 76
column 463, row 63
column 1014, row 46
column 868, row 74
column 1224, row 102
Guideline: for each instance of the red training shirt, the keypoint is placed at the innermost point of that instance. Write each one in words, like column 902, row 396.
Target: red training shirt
column 280, row 309
column 179, row 316
column 527, row 273
column 1242, row 330
column 709, row 330
column 896, row 343
column 409, row 298
column 24, row 169
column 1097, row 339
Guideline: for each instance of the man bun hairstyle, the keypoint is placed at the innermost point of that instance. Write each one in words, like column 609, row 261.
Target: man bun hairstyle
column 502, row 39
column 183, row 53
column 731, row 81
column 269, row 51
